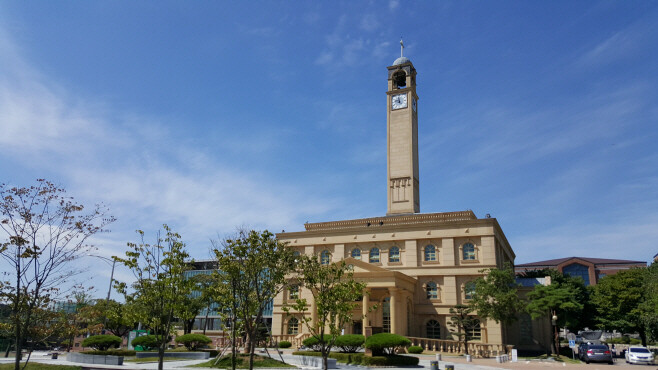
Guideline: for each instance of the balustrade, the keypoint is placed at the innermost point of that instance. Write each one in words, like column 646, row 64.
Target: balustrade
column 457, row 347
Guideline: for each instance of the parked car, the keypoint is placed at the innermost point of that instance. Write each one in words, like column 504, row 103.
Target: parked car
column 597, row 353
column 639, row 355
column 582, row 349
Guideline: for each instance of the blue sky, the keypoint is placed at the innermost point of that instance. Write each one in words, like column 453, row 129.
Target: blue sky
column 211, row 115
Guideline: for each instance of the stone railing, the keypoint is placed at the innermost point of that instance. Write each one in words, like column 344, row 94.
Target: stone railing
column 452, row 346
column 295, row 339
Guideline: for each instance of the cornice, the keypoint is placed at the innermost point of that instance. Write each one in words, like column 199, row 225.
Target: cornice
column 387, row 223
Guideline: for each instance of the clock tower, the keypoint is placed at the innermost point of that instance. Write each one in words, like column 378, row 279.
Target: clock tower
column 402, row 137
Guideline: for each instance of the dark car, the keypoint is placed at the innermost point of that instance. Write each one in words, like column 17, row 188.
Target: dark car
column 582, row 349
column 597, row 353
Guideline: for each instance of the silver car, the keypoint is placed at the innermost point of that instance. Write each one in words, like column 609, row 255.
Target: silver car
column 639, row 355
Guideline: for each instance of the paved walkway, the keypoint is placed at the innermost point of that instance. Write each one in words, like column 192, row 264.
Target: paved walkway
column 458, row 362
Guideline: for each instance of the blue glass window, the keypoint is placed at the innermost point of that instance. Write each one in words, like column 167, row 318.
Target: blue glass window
column 469, row 290
column 394, row 254
column 356, row 253
column 430, row 253
column 577, row 270
column 468, row 251
column 325, row 257
column 432, row 290
column 374, row 255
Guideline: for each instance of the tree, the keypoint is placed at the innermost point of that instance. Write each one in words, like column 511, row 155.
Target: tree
column 574, row 318
column 161, row 285
column 45, row 231
column 335, row 294
column 496, row 295
column 649, row 306
column 255, row 265
column 462, row 323
column 622, row 302
column 548, row 300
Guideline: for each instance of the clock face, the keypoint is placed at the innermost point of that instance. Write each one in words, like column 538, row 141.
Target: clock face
column 399, row 101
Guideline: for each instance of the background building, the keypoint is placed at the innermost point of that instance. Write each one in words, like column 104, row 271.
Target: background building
column 589, row 269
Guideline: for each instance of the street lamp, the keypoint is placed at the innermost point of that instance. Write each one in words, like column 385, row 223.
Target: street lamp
column 555, row 334
column 112, row 262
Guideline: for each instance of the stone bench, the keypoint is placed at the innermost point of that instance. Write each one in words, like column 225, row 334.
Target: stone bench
column 314, row 361
column 94, row 359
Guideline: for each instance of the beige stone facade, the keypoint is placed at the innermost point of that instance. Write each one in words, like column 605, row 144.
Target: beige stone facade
column 399, row 257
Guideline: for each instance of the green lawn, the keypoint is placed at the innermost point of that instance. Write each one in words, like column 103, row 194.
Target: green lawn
column 37, row 366
column 243, row 362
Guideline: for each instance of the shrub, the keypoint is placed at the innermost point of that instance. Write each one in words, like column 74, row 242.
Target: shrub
column 285, row 344
column 112, row 352
column 314, row 342
column 415, row 349
column 213, row 352
column 386, row 343
column 102, row 342
column 146, row 341
column 193, row 341
column 350, row 343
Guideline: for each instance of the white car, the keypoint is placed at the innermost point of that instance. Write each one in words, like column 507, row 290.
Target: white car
column 639, row 355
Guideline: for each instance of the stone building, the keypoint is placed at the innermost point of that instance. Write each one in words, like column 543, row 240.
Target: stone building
column 589, row 269
column 416, row 265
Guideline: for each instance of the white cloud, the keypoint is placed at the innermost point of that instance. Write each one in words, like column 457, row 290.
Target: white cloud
column 393, row 4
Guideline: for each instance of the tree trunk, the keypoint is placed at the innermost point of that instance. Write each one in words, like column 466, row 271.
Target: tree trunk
column 252, row 347
column 205, row 323
column 161, row 352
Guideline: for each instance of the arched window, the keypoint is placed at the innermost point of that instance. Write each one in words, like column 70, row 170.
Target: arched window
column 374, row 255
column 430, row 253
column 394, row 254
column 325, row 257
column 468, row 251
column 293, row 292
column 474, row 332
column 433, row 329
column 469, row 290
column 356, row 253
column 293, row 326
column 432, row 290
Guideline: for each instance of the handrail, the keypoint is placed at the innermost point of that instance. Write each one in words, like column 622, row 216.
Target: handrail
column 475, row 349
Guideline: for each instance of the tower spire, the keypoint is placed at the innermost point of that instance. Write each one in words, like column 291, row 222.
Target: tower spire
column 401, row 47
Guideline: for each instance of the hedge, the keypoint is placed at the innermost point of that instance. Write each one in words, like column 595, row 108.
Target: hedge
column 314, row 342
column 285, row 344
column 350, row 343
column 415, row 349
column 102, row 342
column 112, row 352
column 193, row 341
column 147, row 341
column 386, row 343
column 361, row 359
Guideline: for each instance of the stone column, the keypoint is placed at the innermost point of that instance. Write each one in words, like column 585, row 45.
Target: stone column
column 393, row 309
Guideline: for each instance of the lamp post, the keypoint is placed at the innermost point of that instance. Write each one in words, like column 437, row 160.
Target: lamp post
column 113, row 263
column 556, row 344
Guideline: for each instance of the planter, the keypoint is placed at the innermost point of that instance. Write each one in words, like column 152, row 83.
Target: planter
column 94, row 359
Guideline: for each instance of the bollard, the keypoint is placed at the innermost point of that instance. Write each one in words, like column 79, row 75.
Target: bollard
column 450, row 367
column 499, row 359
column 434, row 365
column 469, row 358
column 438, row 357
